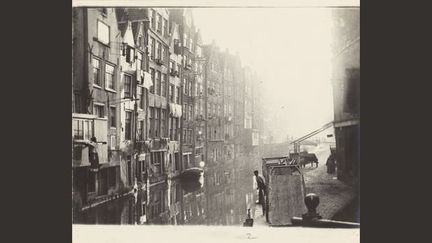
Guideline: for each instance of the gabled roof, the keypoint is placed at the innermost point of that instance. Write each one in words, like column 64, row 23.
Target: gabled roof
column 120, row 14
column 135, row 29
column 122, row 27
column 136, row 14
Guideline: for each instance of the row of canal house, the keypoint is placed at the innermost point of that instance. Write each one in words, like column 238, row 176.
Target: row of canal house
column 161, row 102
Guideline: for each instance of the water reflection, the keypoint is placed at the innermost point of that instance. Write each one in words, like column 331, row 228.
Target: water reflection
column 217, row 197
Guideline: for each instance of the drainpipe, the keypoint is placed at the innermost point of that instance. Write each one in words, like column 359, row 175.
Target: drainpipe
column 86, row 64
column 181, row 98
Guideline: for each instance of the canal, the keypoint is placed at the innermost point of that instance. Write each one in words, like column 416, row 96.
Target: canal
column 219, row 197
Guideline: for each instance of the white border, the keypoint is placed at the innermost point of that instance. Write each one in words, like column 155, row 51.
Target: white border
column 219, row 3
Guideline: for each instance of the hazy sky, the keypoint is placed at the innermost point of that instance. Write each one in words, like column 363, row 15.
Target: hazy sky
column 289, row 48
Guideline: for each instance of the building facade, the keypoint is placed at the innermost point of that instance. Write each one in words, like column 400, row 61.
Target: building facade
column 95, row 84
column 346, row 93
column 159, row 102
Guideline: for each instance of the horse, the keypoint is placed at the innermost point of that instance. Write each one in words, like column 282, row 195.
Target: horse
column 306, row 158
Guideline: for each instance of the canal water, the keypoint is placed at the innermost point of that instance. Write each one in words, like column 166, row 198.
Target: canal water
column 216, row 198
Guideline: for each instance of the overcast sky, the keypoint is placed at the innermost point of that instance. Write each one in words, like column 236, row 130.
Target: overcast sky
column 289, row 48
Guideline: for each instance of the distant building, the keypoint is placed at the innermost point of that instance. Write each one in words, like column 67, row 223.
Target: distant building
column 346, row 93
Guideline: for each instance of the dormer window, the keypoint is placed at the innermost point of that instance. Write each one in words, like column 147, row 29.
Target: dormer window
column 128, row 52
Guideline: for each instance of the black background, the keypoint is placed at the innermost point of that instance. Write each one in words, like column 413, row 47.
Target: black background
column 36, row 117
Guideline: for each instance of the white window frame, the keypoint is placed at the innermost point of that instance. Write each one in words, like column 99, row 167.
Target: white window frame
column 96, row 106
column 107, row 86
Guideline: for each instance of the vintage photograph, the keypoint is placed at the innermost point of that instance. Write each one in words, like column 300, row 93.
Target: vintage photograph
column 216, row 116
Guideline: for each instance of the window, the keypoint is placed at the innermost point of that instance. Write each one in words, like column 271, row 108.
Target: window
column 158, row 160
column 113, row 122
column 109, row 76
column 152, row 48
column 130, row 54
column 99, row 110
column 140, row 97
column 178, row 68
column 189, row 136
column 77, row 103
column 177, row 95
column 140, row 41
column 177, row 161
column 159, row 23
column 82, row 129
column 163, row 85
column 128, row 125
column 185, row 61
column 142, row 101
column 190, row 112
column 190, row 89
column 158, row 83
column 96, row 72
column 153, row 19
column 165, row 27
column 172, row 126
column 164, row 52
column 152, row 73
column 184, row 112
column 113, row 142
column 103, row 32
column 157, row 124
column 127, row 86
column 185, row 40
column 140, row 126
column 158, row 50
column 152, row 125
column 171, row 93
column 163, row 119
column 139, row 61
column 171, row 66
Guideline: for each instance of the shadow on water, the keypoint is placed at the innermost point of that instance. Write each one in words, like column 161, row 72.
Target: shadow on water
column 213, row 198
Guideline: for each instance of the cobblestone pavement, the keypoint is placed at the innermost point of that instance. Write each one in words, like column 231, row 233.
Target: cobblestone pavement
column 334, row 194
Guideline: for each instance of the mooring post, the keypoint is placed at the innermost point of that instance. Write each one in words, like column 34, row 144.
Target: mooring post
column 249, row 220
column 312, row 201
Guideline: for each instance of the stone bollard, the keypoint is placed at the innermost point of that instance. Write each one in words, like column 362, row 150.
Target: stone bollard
column 313, row 219
column 311, row 200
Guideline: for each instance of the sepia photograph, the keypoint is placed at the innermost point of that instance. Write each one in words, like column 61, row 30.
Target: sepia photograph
column 217, row 121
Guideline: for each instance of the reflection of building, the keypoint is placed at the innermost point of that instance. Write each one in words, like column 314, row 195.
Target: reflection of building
column 346, row 92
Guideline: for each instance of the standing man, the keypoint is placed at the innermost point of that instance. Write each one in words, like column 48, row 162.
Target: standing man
column 262, row 190
column 331, row 163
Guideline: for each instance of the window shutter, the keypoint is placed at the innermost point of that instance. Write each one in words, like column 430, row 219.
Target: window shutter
column 128, row 54
column 124, row 50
